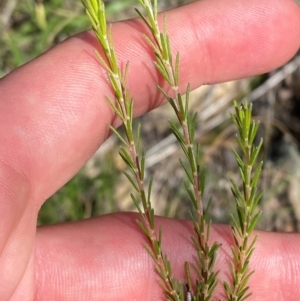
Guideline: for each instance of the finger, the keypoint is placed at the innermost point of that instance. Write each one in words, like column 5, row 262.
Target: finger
column 54, row 110
column 104, row 259
column 17, row 228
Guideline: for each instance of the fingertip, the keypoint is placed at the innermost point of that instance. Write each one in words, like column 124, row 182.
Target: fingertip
column 227, row 40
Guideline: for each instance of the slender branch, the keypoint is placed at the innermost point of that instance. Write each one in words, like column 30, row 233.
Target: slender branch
column 169, row 69
column 123, row 106
column 246, row 204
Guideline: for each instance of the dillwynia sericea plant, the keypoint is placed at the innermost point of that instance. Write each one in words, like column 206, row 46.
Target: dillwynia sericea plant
column 201, row 277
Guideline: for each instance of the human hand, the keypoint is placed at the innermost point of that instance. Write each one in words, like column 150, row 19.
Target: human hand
column 53, row 116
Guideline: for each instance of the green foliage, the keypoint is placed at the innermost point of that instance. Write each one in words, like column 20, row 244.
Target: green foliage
column 44, row 25
column 203, row 277
column 130, row 153
column 82, row 197
column 35, row 26
column 247, row 200
column 206, row 277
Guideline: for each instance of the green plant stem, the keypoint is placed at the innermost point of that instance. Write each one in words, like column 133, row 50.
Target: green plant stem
column 123, row 107
column 169, row 69
column 246, row 203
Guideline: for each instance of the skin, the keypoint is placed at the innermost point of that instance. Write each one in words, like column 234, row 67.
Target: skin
column 53, row 116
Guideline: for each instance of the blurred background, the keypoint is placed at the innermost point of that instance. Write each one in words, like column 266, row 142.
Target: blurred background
column 28, row 28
